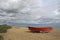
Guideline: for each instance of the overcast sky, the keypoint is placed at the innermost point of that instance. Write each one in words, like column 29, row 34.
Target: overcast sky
column 30, row 11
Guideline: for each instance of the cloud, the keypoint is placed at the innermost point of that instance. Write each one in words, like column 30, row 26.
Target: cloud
column 30, row 11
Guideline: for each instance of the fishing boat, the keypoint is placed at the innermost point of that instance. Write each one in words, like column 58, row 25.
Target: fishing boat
column 39, row 29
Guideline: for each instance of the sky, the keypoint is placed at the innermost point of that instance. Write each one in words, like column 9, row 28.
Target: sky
column 30, row 11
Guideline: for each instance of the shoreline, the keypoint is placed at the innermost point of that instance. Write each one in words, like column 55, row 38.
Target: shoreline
column 22, row 33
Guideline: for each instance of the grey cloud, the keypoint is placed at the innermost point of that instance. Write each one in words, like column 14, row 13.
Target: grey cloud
column 29, row 11
column 10, row 11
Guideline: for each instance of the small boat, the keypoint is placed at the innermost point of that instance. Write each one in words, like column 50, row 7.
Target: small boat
column 38, row 29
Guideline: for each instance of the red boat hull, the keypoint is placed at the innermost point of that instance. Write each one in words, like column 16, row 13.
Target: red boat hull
column 40, row 28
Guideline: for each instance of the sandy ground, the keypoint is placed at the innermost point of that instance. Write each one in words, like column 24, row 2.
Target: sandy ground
column 22, row 33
